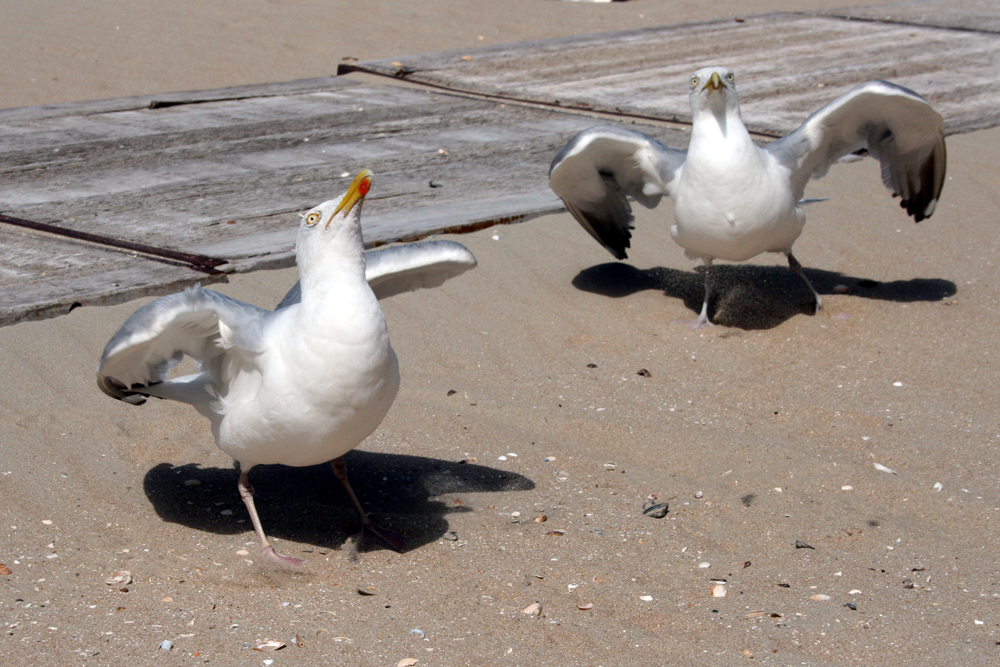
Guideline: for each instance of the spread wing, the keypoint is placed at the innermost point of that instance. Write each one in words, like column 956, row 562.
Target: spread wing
column 600, row 167
column 405, row 268
column 197, row 322
column 897, row 127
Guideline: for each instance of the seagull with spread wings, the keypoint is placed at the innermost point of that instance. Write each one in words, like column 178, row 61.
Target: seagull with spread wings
column 733, row 199
column 302, row 384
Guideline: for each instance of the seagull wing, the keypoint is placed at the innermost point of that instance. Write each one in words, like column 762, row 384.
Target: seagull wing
column 406, row 268
column 896, row 125
column 599, row 167
column 197, row 322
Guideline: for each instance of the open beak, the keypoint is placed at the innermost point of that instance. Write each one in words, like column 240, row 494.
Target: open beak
column 715, row 83
column 355, row 194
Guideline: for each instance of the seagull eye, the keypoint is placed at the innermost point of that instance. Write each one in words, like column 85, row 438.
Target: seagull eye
column 694, row 82
column 312, row 219
column 731, row 78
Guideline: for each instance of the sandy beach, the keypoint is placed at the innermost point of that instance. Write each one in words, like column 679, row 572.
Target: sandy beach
column 525, row 442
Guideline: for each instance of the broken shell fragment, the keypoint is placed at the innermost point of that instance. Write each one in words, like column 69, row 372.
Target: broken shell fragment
column 270, row 645
column 4, row 570
column 820, row 598
column 406, row 662
column 799, row 544
column 165, row 645
column 585, row 607
column 558, row 532
column 368, row 591
column 541, row 518
column 720, row 587
column 533, row 609
column 120, row 578
column 657, row 511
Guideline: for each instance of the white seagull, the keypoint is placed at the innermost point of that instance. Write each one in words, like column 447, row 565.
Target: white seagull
column 300, row 385
column 734, row 200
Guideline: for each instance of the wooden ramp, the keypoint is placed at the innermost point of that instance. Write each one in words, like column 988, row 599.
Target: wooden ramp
column 221, row 175
column 787, row 66
column 110, row 200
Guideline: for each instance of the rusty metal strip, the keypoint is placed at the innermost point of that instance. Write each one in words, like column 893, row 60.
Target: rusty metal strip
column 203, row 263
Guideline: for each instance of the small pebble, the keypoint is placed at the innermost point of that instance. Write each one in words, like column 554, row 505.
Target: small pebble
column 841, row 289
column 192, row 482
column 226, row 512
column 851, row 606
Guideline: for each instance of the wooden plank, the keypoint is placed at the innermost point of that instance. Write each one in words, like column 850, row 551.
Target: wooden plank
column 43, row 276
column 222, row 174
column 787, row 65
column 225, row 175
column 974, row 15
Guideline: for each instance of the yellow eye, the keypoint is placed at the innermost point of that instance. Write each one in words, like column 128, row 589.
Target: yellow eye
column 694, row 82
column 731, row 78
column 312, row 219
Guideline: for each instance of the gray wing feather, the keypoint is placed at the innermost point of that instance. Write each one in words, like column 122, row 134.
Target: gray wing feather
column 406, row 268
column 600, row 167
column 158, row 335
column 896, row 125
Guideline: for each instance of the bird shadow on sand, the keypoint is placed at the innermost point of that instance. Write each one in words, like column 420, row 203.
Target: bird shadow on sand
column 752, row 297
column 310, row 506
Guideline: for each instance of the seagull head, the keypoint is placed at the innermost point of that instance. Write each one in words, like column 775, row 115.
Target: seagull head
column 714, row 89
column 336, row 222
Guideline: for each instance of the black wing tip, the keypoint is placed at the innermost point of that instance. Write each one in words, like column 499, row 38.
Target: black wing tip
column 119, row 391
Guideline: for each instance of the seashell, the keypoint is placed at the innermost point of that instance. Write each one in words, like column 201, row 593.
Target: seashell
column 799, row 544
column 820, row 597
column 558, row 532
column 657, row 511
column 368, row 591
column 120, row 578
column 882, row 468
column 541, row 518
column 406, row 662
column 270, row 645
column 644, row 373
column 720, row 588
column 646, row 598
column 841, row 289
column 418, row 632
column 4, row 570
column 165, row 645
column 533, row 609
column 585, row 607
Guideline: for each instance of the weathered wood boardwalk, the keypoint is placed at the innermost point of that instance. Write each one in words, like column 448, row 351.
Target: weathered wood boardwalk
column 220, row 175
column 787, row 66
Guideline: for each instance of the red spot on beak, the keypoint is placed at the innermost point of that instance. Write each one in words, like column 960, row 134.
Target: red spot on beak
column 364, row 186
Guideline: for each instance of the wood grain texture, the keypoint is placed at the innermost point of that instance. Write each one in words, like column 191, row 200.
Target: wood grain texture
column 787, row 66
column 225, row 175
column 42, row 276
column 975, row 15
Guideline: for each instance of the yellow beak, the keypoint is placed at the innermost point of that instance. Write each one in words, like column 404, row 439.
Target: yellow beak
column 715, row 83
column 356, row 193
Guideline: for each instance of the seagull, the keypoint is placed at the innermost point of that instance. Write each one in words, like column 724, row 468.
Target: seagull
column 734, row 200
column 302, row 384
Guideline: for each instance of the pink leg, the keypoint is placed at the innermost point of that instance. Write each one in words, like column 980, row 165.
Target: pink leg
column 794, row 265
column 246, row 492
column 390, row 538
column 702, row 319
